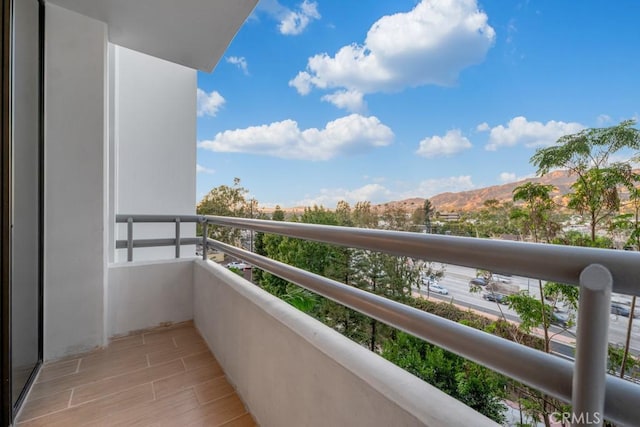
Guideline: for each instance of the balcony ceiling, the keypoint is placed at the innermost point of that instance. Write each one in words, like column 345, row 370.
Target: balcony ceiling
column 194, row 33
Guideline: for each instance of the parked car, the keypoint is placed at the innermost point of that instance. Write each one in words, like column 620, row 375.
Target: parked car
column 428, row 280
column 495, row 296
column 478, row 281
column 238, row 265
column 502, row 278
column 438, row 289
column 560, row 318
column 620, row 309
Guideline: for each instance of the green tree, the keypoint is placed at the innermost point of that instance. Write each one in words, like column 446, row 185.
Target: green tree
column 343, row 214
column 225, row 200
column 396, row 218
column 631, row 223
column 363, row 216
column 278, row 214
column 596, row 195
column 494, row 219
column 536, row 221
column 576, row 238
column 534, row 313
column 275, row 247
column 417, row 217
column 536, row 216
column 320, row 258
column 386, row 275
column 429, row 211
column 621, row 363
column 312, row 256
column 466, row 225
column 587, row 155
column 470, row 383
column 260, row 247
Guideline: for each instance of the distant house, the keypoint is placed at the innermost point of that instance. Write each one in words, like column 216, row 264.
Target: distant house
column 449, row 216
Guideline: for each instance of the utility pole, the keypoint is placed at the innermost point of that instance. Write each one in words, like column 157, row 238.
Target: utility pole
column 252, row 202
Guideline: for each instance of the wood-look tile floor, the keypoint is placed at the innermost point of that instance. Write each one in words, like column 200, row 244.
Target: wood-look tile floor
column 163, row 377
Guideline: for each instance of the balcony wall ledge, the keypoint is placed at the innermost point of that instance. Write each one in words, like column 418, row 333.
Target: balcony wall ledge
column 288, row 367
column 145, row 294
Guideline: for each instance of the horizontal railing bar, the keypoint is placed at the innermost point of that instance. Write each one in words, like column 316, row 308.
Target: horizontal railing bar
column 556, row 263
column 547, row 373
column 159, row 218
column 548, row 262
column 149, row 243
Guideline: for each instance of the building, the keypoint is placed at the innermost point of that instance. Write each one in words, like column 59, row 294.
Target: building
column 87, row 133
column 448, row 216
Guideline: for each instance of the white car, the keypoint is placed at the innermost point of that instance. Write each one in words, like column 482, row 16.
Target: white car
column 238, row 265
column 428, row 280
column 501, row 278
column 438, row 289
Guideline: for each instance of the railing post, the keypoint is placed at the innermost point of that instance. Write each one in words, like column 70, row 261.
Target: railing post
column 129, row 239
column 590, row 369
column 177, row 237
column 204, row 240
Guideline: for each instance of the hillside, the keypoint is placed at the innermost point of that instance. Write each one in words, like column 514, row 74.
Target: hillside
column 471, row 200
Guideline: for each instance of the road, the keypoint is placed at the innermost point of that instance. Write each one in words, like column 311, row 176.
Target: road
column 456, row 280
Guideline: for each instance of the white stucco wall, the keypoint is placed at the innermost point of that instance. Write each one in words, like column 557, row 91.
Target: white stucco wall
column 287, row 366
column 146, row 294
column 120, row 137
column 154, row 141
column 75, row 209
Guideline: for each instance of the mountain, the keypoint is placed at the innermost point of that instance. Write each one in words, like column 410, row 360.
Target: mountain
column 472, row 200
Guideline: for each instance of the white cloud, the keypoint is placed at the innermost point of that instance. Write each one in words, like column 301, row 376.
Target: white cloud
column 451, row 143
column 295, row 22
column 603, row 119
column 347, row 135
column 240, row 62
column 431, row 187
column 531, row 134
column 303, row 83
column 208, row 104
column 377, row 193
column 430, row 44
column 291, row 22
column 507, row 177
column 350, row 100
column 202, row 169
column 483, row 127
column 374, row 193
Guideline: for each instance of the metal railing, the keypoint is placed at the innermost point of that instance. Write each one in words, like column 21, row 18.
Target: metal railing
column 597, row 272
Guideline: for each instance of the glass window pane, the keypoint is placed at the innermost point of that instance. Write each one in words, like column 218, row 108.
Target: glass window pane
column 25, row 280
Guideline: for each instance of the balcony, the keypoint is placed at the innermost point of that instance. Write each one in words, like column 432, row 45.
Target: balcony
column 166, row 376
column 289, row 369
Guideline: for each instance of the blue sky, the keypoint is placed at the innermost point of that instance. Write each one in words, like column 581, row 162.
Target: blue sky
column 320, row 101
